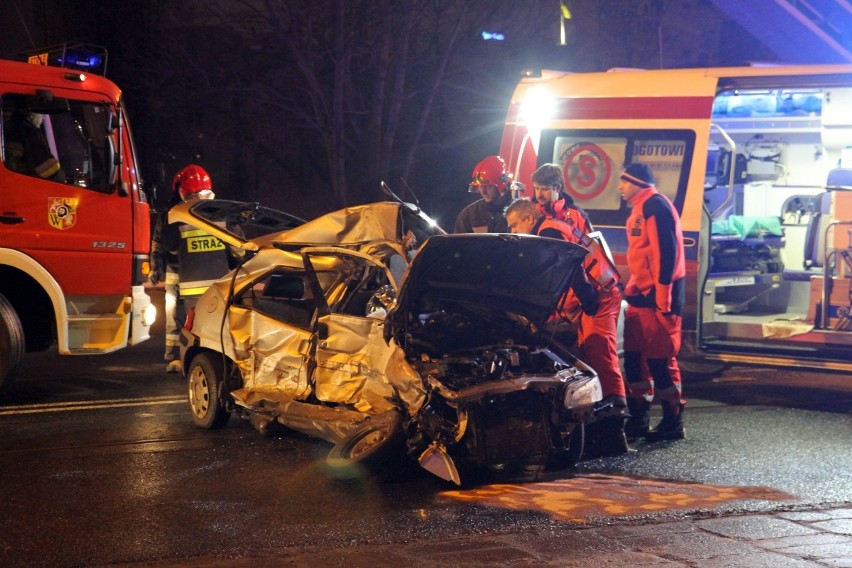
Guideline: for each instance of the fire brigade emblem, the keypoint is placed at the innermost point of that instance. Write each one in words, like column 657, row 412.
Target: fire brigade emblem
column 62, row 212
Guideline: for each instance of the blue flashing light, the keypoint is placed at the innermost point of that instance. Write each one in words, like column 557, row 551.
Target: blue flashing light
column 493, row 36
column 87, row 61
column 78, row 56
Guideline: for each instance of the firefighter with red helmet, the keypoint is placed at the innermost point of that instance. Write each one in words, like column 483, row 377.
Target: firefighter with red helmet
column 655, row 293
column 592, row 305
column 493, row 183
column 184, row 275
column 193, row 182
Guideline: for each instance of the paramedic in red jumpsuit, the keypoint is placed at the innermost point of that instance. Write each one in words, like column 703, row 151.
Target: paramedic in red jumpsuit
column 597, row 309
column 553, row 202
column 655, row 295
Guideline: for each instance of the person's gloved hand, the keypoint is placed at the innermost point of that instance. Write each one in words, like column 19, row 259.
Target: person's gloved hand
column 517, row 188
column 667, row 320
column 156, row 274
column 591, row 307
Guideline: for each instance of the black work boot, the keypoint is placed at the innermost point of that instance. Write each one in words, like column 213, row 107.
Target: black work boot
column 605, row 438
column 638, row 424
column 671, row 426
column 605, row 435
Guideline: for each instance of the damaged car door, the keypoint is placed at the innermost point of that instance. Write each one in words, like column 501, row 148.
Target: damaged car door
column 352, row 357
column 270, row 321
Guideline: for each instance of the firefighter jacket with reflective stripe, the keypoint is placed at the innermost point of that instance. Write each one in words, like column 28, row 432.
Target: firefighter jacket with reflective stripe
column 27, row 150
column 655, row 253
column 202, row 259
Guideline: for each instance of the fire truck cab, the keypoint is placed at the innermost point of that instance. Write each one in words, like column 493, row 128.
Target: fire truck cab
column 74, row 222
column 758, row 162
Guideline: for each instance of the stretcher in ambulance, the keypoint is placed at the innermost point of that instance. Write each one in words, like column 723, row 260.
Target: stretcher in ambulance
column 757, row 160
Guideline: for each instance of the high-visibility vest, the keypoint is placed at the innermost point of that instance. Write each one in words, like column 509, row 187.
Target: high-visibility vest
column 600, row 269
column 202, row 258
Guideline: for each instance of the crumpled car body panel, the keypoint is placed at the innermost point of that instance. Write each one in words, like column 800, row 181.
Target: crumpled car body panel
column 298, row 322
column 270, row 355
column 352, row 367
column 232, row 222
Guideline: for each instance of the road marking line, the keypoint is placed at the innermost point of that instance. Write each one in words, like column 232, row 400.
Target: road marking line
column 96, row 401
column 90, row 405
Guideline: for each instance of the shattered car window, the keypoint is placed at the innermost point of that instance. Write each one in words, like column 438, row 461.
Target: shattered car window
column 362, row 285
column 282, row 295
column 351, row 285
column 245, row 220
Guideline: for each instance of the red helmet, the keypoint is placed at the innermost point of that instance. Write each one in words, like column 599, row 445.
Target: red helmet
column 490, row 171
column 192, row 181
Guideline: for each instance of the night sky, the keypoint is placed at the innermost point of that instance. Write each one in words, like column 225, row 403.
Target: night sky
column 206, row 89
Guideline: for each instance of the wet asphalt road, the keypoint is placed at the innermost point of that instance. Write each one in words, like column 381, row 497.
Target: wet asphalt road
column 100, row 464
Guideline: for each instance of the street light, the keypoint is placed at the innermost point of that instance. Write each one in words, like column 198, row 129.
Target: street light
column 564, row 14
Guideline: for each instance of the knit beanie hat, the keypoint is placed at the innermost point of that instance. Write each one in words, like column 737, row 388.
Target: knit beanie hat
column 639, row 174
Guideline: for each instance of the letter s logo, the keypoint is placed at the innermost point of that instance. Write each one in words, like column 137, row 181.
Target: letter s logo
column 586, row 166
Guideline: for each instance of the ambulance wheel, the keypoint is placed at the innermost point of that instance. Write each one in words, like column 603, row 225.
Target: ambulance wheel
column 206, row 392
column 11, row 343
column 695, row 367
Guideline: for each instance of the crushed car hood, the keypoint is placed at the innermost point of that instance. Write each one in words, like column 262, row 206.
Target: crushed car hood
column 249, row 226
column 521, row 275
column 374, row 222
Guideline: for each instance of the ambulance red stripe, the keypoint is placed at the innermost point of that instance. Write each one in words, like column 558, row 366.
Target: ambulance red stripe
column 624, row 108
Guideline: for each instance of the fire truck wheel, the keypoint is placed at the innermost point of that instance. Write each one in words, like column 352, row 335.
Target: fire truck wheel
column 11, row 343
column 205, row 392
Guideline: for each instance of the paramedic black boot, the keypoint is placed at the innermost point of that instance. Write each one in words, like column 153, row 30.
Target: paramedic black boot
column 638, row 424
column 671, row 426
column 605, row 435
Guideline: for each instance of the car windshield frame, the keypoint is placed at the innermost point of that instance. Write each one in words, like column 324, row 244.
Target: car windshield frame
column 244, row 220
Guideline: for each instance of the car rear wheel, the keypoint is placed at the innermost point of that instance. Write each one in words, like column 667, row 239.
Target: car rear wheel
column 376, row 446
column 11, row 343
column 206, row 386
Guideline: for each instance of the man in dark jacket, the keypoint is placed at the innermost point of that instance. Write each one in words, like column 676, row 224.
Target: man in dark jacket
column 492, row 182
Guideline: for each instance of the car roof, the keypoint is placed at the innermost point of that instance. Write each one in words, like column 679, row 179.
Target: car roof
column 351, row 226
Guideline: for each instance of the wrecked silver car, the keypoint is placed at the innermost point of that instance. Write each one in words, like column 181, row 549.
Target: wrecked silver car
column 370, row 329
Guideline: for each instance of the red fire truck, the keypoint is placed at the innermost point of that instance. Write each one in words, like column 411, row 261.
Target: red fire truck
column 757, row 160
column 74, row 222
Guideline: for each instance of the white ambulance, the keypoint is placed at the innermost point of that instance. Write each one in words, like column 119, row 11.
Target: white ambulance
column 757, row 160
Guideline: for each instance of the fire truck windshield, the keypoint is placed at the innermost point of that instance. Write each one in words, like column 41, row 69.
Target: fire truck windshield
column 66, row 141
